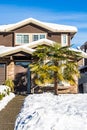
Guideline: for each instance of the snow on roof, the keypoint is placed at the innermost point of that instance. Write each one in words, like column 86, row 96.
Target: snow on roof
column 59, row 27
column 25, row 48
column 39, row 42
column 83, row 54
column 4, row 27
column 30, row 48
column 50, row 26
column 11, row 50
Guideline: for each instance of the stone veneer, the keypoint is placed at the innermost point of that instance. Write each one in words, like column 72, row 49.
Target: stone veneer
column 10, row 71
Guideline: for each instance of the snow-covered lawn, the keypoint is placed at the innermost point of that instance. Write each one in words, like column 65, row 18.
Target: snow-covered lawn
column 50, row 112
column 7, row 98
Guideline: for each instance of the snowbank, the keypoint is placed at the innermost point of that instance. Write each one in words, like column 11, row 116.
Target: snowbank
column 7, row 97
column 49, row 112
column 3, row 88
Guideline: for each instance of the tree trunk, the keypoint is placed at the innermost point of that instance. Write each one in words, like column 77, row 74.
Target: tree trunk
column 55, row 83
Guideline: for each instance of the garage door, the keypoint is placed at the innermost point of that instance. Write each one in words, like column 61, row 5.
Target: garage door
column 2, row 73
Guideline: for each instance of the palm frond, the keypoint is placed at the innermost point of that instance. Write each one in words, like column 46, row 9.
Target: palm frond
column 55, row 63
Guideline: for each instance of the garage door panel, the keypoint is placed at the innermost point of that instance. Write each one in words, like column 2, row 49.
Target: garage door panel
column 2, row 73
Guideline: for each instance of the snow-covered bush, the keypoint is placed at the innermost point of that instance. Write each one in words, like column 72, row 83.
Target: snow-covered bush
column 4, row 91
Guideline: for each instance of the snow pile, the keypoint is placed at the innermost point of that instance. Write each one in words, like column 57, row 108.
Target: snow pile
column 7, row 98
column 49, row 112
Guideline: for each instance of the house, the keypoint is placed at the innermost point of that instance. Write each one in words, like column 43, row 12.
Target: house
column 84, row 49
column 17, row 43
column 82, row 83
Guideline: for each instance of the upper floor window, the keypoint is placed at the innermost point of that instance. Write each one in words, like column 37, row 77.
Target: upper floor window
column 38, row 36
column 64, row 39
column 22, row 38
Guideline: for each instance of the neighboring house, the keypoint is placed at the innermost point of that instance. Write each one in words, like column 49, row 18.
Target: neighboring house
column 84, row 49
column 83, row 70
column 17, row 43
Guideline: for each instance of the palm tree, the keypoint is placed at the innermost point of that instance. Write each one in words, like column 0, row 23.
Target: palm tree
column 53, row 64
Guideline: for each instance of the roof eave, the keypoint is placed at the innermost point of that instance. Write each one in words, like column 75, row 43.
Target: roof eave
column 16, row 50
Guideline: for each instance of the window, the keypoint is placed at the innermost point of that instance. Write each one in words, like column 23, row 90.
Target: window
column 2, row 65
column 38, row 36
column 22, row 38
column 35, row 37
column 64, row 39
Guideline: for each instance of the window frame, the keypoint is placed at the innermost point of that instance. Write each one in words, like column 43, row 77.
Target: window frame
column 2, row 65
column 64, row 37
column 23, row 35
column 45, row 34
column 30, row 37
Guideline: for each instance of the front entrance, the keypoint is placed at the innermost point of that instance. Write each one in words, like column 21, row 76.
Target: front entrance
column 22, row 78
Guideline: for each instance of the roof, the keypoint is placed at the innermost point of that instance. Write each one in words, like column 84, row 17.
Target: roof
column 4, row 51
column 39, row 42
column 50, row 26
column 82, row 67
column 30, row 48
column 84, row 46
column 83, row 54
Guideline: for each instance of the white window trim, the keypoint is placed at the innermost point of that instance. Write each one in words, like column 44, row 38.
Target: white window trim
column 62, row 40
column 21, row 34
column 30, row 36
column 39, row 34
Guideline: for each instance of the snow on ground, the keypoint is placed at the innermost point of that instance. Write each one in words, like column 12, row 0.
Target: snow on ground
column 5, row 99
column 3, row 88
column 50, row 112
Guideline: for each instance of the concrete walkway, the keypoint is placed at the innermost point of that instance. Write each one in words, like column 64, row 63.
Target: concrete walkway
column 9, row 114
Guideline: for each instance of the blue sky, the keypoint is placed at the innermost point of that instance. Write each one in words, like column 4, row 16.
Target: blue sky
column 68, row 12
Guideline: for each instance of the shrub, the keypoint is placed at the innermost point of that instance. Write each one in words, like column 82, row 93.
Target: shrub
column 1, row 96
column 8, row 92
column 10, row 84
column 4, row 91
column 4, row 94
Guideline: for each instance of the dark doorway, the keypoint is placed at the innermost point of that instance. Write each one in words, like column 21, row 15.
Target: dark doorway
column 20, row 82
column 22, row 78
column 81, row 88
